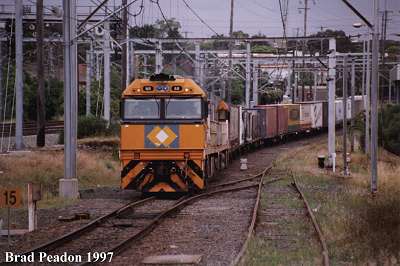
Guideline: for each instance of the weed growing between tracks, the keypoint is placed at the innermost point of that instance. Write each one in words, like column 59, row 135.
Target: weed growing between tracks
column 284, row 234
column 358, row 228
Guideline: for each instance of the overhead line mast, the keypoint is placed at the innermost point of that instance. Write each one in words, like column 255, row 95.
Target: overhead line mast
column 40, row 97
column 125, row 47
column 229, row 87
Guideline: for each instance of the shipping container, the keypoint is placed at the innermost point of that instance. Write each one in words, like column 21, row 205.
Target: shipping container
column 270, row 122
column 349, row 113
column 257, row 124
column 293, row 117
column 305, row 116
column 316, row 115
column 262, row 123
column 359, row 104
column 246, row 116
column 234, row 126
column 338, row 111
column 282, row 119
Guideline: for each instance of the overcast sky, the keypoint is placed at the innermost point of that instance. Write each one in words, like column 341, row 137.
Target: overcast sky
column 255, row 16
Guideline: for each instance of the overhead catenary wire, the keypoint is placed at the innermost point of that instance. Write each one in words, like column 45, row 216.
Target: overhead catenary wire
column 183, row 50
column 201, row 20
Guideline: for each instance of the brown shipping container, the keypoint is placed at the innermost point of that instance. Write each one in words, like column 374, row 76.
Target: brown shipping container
column 234, row 126
column 270, row 120
column 282, row 114
column 272, row 123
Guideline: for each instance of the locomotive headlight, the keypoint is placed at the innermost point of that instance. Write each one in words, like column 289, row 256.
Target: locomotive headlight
column 187, row 89
column 176, row 88
column 147, row 88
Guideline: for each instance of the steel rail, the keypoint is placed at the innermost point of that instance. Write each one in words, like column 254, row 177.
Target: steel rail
column 84, row 229
column 243, row 249
column 244, row 179
column 117, row 249
column 321, row 237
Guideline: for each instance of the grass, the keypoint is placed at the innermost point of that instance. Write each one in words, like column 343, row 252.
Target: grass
column 94, row 169
column 298, row 249
column 359, row 228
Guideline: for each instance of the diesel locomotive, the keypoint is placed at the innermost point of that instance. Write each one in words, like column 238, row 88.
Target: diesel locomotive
column 165, row 138
column 173, row 139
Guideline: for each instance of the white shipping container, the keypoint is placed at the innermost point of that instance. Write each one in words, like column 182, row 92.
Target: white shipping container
column 316, row 115
column 305, row 114
column 348, row 115
column 339, row 111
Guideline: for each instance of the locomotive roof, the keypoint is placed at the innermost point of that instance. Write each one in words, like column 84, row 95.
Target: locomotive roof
column 185, row 87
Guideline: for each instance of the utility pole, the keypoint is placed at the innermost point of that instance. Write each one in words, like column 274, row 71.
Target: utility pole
column 288, row 79
column 331, row 102
column 19, row 78
column 124, row 56
column 294, row 79
column 368, row 96
column 248, row 75
column 1, row 80
column 363, row 85
column 145, row 65
column 106, row 78
column 374, row 100
column 69, row 184
column 134, row 61
column 390, row 90
column 89, row 71
column 345, row 86
column 229, row 87
column 353, row 110
column 303, row 74
column 296, row 86
column 315, row 86
column 255, row 83
column 197, row 62
column 159, row 59
column 40, row 97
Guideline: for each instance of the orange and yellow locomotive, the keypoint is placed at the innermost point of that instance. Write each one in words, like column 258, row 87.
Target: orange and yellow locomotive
column 164, row 135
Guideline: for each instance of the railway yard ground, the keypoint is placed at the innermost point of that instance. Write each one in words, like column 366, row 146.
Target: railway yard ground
column 358, row 228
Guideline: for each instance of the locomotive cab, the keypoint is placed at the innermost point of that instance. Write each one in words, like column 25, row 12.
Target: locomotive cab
column 163, row 132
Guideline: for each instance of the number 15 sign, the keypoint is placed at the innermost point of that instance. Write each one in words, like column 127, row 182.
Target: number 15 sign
column 10, row 197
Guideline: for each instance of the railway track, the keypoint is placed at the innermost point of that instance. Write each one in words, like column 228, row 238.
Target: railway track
column 321, row 238
column 29, row 128
column 251, row 228
column 132, row 214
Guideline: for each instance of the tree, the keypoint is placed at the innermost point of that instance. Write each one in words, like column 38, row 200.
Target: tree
column 343, row 42
column 160, row 29
column 169, row 28
column 240, row 34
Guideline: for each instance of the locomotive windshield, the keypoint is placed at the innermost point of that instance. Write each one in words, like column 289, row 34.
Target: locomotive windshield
column 183, row 108
column 141, row 109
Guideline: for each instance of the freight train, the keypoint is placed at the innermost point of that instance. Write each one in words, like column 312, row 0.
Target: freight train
column 173, row 139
